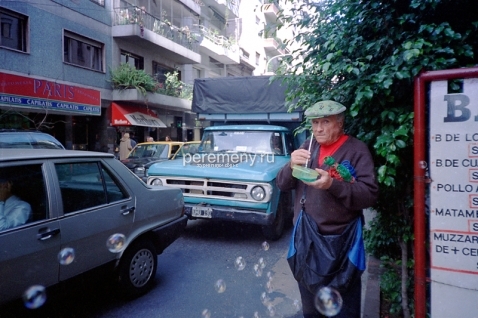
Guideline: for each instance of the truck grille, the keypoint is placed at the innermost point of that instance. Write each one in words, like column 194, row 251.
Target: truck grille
column 218, row 189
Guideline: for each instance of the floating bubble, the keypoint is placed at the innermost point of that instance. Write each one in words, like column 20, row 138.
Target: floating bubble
column 206, row 313
column 265, row 299
column 271, row 310
column 66, row 256
column 297, row 304
column 257, row 270
column 256, row 315
column 240, row 263
column 220, row 286
column 262, row 263
column 265, row 246
column 269, row 275
column 34, row 297
column 423, row 164
column 328, row 301
column 115, row 243
column 269, row 287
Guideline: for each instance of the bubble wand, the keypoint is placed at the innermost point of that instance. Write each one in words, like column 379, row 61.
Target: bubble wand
column 310, row 146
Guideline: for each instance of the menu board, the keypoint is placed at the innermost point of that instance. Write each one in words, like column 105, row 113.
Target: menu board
column 453, row 194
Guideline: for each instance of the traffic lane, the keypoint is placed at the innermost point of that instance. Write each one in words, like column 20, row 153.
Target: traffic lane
column 205, row 254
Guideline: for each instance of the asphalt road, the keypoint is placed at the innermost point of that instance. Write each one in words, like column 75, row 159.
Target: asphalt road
column 197, row 277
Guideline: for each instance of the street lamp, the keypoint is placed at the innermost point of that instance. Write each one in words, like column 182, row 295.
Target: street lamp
column 273, row 58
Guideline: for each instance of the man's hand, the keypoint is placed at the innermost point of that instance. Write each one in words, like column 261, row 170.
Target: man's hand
column 299, row 157
column 323, row 182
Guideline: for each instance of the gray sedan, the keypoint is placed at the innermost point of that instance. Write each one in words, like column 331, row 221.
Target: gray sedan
column 65, row 212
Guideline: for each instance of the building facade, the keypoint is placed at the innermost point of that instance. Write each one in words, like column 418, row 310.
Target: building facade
column 57, row 58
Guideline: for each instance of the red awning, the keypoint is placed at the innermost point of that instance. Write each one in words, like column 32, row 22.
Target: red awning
column 122, row 115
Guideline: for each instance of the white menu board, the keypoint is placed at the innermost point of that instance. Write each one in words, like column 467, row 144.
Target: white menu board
column 453, row 163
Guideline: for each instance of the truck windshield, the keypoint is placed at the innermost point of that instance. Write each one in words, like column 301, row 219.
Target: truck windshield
column 243, row 141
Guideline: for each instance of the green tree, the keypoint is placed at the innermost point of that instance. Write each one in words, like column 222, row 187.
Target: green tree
column 366, row 54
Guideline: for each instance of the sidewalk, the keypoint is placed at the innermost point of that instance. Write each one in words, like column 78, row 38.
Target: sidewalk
column 371, row 289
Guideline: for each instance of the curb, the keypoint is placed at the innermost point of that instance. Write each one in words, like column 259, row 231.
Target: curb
column 371, row 296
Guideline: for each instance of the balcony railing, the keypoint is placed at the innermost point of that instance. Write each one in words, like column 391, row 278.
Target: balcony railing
column 214, row 36
column 183, row 36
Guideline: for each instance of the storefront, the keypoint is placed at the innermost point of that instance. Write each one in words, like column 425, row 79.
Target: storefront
column 57, row 108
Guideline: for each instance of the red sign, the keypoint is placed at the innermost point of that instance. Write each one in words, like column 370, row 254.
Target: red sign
column 30, row 92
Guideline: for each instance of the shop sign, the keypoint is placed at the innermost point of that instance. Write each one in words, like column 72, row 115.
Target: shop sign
column 32, row 93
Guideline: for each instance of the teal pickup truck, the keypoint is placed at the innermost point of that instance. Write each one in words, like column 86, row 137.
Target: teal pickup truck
column 250, row 138
column 232, row 176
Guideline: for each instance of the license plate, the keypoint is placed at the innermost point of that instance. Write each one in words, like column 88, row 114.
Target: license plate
column 201, row 212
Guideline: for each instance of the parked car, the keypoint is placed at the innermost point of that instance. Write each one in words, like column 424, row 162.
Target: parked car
column 145, row 154
column 87, row 210
column 11, row 138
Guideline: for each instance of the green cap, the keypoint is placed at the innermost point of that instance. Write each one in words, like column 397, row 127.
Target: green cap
column 323, row 109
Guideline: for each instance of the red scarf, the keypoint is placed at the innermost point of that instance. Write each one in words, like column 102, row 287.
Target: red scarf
column 329, row 150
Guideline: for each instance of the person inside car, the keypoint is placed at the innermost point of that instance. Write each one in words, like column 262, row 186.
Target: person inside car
column 13, row 211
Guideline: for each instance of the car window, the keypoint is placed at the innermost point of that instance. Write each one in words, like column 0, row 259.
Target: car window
column 45, row 141
column 86, row 185
column 22, row 191
column 15, row 141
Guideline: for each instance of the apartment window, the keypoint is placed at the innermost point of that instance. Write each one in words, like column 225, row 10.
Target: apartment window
column 133, row 60
column 13, row 30
column 160, row 71
column 258, row 58
column 82, row 51
column 100, row 2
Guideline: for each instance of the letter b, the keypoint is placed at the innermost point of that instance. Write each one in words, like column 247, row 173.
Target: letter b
column 452, row 107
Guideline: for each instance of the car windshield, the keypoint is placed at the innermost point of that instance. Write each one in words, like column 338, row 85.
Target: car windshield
column 261, row 142
column 29, row 140
column 157, row 151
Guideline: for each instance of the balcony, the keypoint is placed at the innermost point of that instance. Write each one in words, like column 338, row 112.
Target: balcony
column 138, row 27
column 271, row 11
column 219, row 47
column 274, row 46
column 220, row 6
column 133, row 96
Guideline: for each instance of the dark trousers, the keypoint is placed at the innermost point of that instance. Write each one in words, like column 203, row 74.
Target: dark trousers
column 352, row 300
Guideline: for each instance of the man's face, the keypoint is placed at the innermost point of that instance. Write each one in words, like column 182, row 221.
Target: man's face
column 327, row 130
column 5, row 190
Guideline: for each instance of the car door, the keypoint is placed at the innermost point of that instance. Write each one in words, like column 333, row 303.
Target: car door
column 97, row 209
column 29, row 252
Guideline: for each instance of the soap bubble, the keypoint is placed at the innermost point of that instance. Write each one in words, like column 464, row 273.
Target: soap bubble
column 256, row 315
column 328, row 301
column 257, row 270
column 269, row 275
column 66, row 256
column 265, row 299
column 269, row 287
column 262, row 263
column 240, row 263
column 115, row 243
column 265, row 246
column 34, row 297
column 271, row 310
column 206, row 313
column 220, row 286
column 297, row 304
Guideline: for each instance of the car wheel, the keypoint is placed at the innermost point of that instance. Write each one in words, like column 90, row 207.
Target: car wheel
column 137, row 268
column 274, row 231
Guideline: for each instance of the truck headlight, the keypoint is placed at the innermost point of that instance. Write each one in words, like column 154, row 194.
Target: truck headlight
column 258, row 193
column 156, row 182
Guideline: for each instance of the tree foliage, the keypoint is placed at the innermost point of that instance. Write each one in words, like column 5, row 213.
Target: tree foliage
column 366, row 54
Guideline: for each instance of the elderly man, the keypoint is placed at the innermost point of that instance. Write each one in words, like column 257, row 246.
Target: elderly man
column 13, row 211
column 332, row 202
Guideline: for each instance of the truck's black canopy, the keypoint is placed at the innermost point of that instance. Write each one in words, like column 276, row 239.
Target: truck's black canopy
column 246, row 94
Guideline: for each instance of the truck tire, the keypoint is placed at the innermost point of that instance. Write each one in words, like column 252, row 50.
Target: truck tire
column 137, row 268
column 274, row 231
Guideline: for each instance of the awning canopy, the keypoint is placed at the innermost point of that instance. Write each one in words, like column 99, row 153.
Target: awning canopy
column 123, row 115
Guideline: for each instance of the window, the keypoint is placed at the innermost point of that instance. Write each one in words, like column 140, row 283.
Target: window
column 27, row 184
column 160, row 71
column 13, row 30
column 258, row 58
column 133, row 60
column 86, row 185
column 83, row 52
column 100, row 2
